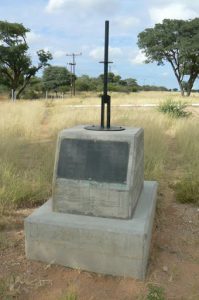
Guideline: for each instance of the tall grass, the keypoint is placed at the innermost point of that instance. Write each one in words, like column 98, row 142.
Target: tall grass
column 187, row 136
column 28, row 132
column 25, row 163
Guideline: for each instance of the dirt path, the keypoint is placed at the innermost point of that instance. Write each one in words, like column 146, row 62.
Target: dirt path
column 173, row 264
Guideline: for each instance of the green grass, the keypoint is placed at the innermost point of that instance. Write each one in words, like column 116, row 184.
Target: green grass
column 187, row 190
column 4, row 291
column 70, row 296
column 155, row 293
column 4, row 242
column 175, row 109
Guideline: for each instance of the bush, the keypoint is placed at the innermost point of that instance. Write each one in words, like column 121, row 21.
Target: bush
column 30, row 94
column 187, row 190
column 175, row 109
column 155, row 293
column 70, row 296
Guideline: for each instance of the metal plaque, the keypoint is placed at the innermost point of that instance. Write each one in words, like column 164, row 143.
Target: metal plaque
column 101, row 161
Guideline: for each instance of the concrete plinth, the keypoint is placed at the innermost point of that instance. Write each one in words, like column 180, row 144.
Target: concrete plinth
column 102, row 245
column 98, row 173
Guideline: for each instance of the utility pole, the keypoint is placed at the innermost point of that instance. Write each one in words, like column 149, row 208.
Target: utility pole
column 73, row 64
column 71, row 78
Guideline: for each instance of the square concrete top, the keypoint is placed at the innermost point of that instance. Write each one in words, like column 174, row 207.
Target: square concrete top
column 123, row 135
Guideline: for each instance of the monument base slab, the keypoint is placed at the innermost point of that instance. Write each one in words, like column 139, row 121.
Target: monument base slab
column 96, row 244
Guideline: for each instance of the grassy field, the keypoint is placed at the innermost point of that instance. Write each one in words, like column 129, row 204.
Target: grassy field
column 28, row 133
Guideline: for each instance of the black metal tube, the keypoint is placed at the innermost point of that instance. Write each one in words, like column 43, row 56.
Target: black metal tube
column 105, row 97
column 109, row 113
column 102, row 113
column 106, row 58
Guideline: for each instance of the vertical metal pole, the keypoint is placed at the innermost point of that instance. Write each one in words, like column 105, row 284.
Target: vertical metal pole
column 109, row 113
column 73, row 64
column 73, row 74
column 106, row 70
column 71, row 79
column 104, row 97
column 102, row 113
column 106, row 62
column 106, row 58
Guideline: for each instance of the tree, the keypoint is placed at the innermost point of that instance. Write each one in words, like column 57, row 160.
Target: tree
column 176, row 42
column 56, row 78
column 112, row 78
column 85, row 83
column 16, row 67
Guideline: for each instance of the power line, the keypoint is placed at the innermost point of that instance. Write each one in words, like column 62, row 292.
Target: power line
column 72, row 65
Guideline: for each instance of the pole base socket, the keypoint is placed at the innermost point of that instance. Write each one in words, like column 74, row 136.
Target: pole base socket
column 99, row 128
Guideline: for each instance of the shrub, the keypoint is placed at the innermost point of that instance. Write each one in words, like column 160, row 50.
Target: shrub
column 70, row 296
column 155, row 293
column 175, row 109
column 30, row 94
column 187, row 190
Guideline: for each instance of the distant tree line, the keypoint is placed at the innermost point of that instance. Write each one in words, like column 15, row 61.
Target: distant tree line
column 56, row 81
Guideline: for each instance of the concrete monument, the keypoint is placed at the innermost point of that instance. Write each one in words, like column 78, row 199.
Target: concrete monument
column 101, row 213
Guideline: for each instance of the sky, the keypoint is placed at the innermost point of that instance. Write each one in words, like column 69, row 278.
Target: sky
column 77, row 26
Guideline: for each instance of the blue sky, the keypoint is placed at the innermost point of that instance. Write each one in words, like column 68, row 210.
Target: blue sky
column 65, row 26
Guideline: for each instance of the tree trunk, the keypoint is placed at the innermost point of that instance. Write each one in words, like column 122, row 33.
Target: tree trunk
column 182, row 91
column 181, row 87
column 177, row 75
column 26, row 81
column 190, row 84
column 188, row 92
column 22, row 88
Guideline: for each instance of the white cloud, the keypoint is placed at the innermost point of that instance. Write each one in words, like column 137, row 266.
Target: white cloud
column 98, row 53
column 126, row 22
column 171, row 11
column 59, row 54
column 32, row 37
column 190, row 3
column 54, row 5
column 100, row 6
column 46, row 49
column 139, row 58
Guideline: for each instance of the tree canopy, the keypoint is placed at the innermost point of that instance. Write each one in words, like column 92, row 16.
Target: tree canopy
column 56, row 78
column 176, row 42
column 16, row 68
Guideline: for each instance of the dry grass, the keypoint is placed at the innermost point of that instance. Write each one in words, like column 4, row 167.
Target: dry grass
column 23, row 179
column 187, row 137
column 91, row 98
column 28, row 132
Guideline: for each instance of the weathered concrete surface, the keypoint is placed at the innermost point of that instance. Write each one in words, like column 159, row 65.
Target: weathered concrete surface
column 95, row 197
column 102, row 245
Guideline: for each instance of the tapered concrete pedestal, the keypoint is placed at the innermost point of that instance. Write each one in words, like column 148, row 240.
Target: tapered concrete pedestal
column 97, row 244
